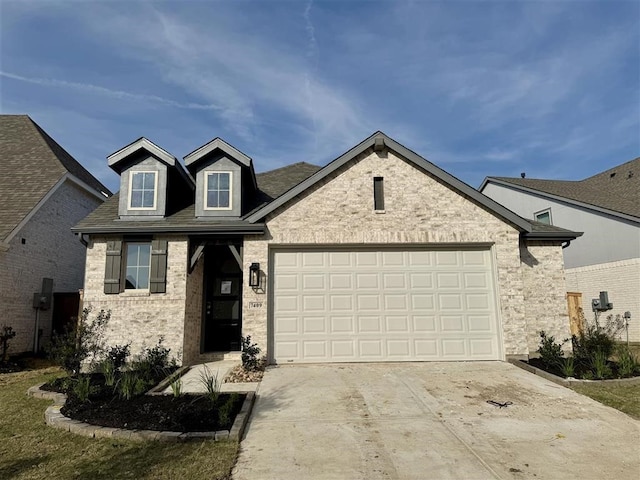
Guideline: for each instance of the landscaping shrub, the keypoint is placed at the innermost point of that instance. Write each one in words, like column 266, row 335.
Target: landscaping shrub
column 551, row 353
column 118, row 355
column 86, row 342
column 210, row 383
column 250, row 352
column 568, row 367
column 628, row 364
column 6, row 334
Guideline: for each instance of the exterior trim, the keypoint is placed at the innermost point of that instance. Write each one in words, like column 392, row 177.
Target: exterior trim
column 559, row 236
column 420, row 162
column 559, row 198
column 205, row 190
column 155, row 190
column 216, row 143
column 247, row 229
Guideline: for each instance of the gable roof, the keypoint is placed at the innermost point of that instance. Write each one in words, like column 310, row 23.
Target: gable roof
column 378, row 142
column 616, row 190
column 31, row 164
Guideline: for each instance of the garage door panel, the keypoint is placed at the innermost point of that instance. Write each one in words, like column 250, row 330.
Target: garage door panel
column 346, row 306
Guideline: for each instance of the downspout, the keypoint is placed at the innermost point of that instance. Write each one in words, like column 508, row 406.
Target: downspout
column 566, row 244
column 85, row 242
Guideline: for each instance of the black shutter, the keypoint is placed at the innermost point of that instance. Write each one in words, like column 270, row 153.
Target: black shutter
column 112, row 268
column 158, row 280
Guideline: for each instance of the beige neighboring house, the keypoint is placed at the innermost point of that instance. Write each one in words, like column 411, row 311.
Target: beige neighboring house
column 44, row 191
column 606, row 207
column 378, row 256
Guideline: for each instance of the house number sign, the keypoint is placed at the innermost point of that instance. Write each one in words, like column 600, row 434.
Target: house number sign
column 255, row 304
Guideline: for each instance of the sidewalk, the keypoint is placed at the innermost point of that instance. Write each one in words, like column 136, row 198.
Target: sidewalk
column 192, row 380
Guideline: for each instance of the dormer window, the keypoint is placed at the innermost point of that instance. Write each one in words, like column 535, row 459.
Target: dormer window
column 218, row 191
column 143, row 190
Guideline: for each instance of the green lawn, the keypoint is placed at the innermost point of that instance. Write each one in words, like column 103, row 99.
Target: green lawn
column 31, row 450
column 624, row 398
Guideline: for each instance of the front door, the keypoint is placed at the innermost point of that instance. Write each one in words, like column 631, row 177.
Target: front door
column 223, row 299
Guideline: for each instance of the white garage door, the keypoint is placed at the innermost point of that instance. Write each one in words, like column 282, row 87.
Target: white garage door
column 383, row 305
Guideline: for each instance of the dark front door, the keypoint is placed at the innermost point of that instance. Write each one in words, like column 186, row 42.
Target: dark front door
column 223, row 300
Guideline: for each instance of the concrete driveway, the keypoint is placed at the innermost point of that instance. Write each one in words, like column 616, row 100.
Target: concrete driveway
column 431, row 420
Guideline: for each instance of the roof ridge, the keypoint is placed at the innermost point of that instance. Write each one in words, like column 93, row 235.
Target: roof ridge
column 68, row 162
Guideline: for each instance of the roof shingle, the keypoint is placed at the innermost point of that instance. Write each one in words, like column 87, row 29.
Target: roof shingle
column 31, row 163
column 616, row 189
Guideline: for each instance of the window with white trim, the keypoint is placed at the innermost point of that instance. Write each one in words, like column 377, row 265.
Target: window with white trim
column 142, row 190
column 137, row 266
column 543, row 216
column 217, row 191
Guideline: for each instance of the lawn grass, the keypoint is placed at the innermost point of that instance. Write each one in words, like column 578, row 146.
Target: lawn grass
column 31, row 450
column 625, row 398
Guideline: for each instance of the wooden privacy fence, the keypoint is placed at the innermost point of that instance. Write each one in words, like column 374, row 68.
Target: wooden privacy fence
column 576, row 315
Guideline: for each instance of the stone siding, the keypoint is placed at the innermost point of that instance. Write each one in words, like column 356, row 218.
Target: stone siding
column 620, row 279
column 49, row 250
column 419, row 209
column 545, row 292
column 141, row 318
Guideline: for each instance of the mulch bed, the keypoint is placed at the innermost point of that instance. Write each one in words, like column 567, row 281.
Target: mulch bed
column 186, row 413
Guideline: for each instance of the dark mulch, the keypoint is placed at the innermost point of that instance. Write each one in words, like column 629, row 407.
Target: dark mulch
column 187, row 413
column 580, row 371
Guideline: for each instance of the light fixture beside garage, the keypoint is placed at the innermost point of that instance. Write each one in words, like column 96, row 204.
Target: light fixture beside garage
column 254, row 275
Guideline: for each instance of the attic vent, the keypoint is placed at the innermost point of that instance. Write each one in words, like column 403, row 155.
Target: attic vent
column 630, row 174
column 612, row 174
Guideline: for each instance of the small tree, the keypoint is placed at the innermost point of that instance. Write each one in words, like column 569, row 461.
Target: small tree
column 71, row 348
column 250, row 352
column 6, row 334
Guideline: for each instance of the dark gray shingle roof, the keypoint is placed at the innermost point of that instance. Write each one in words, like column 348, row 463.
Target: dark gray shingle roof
column 616, row 189
column 31, row 163
column 275, row 182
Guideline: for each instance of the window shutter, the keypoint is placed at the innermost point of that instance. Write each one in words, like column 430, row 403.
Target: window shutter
column 112, row 269
column 158, row 280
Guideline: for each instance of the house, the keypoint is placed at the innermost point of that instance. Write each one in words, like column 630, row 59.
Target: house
column 606, row 207
column 44, row 191
column 378, row 256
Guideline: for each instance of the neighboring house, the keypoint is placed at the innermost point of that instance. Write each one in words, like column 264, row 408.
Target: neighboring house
column 378, row 256
column 606, row 207
column 44, row 191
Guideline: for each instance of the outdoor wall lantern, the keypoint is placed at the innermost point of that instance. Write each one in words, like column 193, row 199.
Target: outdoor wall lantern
column 254, row 275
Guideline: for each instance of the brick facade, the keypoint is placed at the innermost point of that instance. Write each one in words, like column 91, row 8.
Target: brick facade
column 420, row 209
column 620, row 279
column 49, row 250
column 141, row 318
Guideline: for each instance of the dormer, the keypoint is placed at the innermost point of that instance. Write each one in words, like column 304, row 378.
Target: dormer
column 225, row 179
column 153, row 184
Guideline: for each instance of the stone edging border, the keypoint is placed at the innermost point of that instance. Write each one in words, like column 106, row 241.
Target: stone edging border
column 55, row 419
column 565, row 382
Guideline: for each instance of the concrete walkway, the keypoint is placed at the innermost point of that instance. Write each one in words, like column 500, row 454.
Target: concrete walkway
column 431, row 421
column 192, row 380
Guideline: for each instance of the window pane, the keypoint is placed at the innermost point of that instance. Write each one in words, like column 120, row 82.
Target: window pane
column 224, row 181
column 148, row 199
column 130, row 282
column 136, row 198
column 223, row 199
column 132, row 255
column 145, row 255
column 149, row 181
column 138, row 180
column 143, row 277
column 544, row 217
column 212, row 199
column 213, row 182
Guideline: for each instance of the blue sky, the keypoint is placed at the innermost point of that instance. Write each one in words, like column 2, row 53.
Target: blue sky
column 550, row 88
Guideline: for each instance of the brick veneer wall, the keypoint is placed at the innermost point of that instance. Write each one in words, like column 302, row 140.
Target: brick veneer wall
column 141, row 318
column 545, row 292
column 419, row 210
column 50, row 250
column 620, row 279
